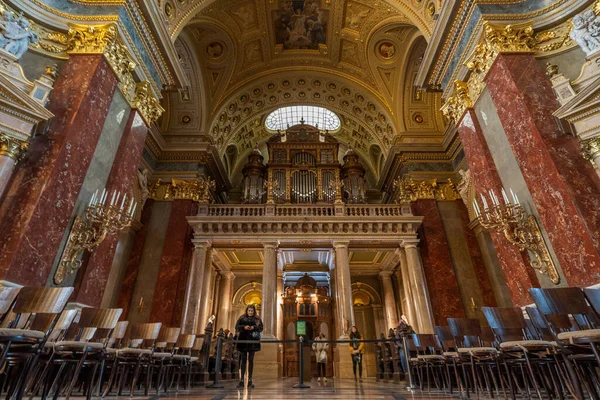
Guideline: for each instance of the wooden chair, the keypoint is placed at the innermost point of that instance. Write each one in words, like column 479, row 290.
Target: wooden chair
column 163, row 355
column 86, row 351
column 521, row 352
column 577, row 336
column 430, row 358
column 446, row 340
column 197, row 365
column 21, row 347
column 183, row 361
column 114, row 343
column 482, row 360
column 136, row 357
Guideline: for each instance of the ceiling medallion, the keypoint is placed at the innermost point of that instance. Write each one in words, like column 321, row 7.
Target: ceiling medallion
column 186, row 119
column 418, row 118
column 386, row 50
column 300, row 25
column 215, row 50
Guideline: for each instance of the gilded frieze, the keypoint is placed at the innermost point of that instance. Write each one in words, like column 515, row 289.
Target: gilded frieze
column 11, row 147
column 198, row 190
column 590, row 149
column 409, row 190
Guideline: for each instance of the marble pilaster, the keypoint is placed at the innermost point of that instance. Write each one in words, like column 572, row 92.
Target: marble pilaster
column 133, row 263
column 190, row 314
column 7, row 165
column 564, row 187
column 343, row 282
column 118, row 269
column 269, row 290
column 41, row 196
column 389, row 300
column 438, row 267
column 409, row 305
column 171, row 264
column 93, row 276
column 227, row 279
column 519, row 276
column 204, row 304
column 419, row 288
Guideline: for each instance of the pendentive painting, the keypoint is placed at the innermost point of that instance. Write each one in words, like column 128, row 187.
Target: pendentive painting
column 300, row 24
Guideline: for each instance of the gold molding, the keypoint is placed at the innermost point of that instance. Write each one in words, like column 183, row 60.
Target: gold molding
column 90, row 39
column 11, row 147
column 458, row 102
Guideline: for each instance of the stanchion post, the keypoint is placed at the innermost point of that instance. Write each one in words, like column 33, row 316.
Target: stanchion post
column 301, row 384
column 411, row 384
column 215, row 384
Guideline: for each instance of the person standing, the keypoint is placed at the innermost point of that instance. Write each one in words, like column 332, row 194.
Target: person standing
column 356, row 350
column 249, row 326
column 320, row 350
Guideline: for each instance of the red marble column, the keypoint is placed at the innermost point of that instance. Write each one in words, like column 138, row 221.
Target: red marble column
column 483, row 278
column 519, row 276
column 40, row 199
column 564, row 187
column 133, row 265
column 93, row 275
column 441, row 280
column 169, row 293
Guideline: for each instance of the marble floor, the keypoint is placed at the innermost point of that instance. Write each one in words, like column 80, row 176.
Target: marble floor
column 334, row 389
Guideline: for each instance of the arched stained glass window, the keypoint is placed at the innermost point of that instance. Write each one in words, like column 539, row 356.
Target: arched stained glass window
column 319, row 117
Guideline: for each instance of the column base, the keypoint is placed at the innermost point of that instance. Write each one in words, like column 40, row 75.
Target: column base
column 267, row 363
column 343, row 360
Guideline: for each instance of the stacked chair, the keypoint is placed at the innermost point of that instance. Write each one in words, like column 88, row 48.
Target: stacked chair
column 46, row 350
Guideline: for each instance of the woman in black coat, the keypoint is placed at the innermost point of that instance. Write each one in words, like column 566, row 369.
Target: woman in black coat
column 248, row 326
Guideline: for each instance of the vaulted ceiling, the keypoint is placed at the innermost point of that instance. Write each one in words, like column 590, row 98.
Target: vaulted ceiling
column 245, row 58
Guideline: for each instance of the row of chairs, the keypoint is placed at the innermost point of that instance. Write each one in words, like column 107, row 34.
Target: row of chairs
column 45, row 351
column 553, row 353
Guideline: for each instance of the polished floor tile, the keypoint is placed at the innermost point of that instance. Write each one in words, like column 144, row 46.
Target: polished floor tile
column 333, row 389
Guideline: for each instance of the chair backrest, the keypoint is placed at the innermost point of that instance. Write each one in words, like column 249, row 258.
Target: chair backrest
column 118, row 334
column 569, row 301
column 426, row 343
column 7, row 298
column 507, row 323
column 445, row 336
column 593, row 297
column 197, row 346
column 62, row 325
column 143, row 335
column 186, row 342
column 466, row 331
column 44, row 300
column 167, row 338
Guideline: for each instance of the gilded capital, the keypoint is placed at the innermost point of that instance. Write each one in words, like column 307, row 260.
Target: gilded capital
column 496, row 39
column 103, row 39
column 90, row 39
column 11, row 147
column 590, row 149
column 146, row 103
column 458, row 102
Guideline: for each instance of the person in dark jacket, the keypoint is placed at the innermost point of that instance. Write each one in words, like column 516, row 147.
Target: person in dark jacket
column 248, row 326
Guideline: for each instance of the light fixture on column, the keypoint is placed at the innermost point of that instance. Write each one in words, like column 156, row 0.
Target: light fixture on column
column 519, row 229
column 98, row 221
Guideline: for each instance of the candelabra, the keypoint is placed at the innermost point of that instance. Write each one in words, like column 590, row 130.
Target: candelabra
column 519, row 229
column 98, row 221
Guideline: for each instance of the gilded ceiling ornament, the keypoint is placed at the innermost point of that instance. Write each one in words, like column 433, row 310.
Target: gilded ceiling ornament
column 11, row 147
column 146, row 103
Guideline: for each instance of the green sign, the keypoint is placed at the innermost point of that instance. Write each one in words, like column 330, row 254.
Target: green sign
column 300, row 328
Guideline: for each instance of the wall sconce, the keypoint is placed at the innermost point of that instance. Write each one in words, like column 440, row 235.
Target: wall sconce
column 98, row 221
column 521, row 230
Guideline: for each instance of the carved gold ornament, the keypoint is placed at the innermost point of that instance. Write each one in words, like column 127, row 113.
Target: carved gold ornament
column 410, row 190
column 11, row 147
column 146, row 103
column 197, row 190
column 496, row 39
column 591, row 149
column 90, row 39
